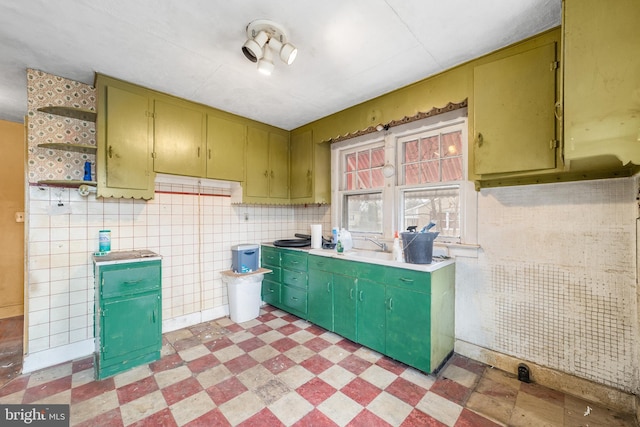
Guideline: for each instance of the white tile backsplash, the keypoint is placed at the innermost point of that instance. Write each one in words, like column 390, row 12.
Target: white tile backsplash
column 194, row 234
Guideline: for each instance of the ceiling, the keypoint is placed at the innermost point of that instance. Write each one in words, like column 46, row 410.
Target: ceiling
column 349, row 51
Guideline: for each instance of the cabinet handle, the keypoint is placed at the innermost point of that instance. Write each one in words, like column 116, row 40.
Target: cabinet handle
column 351, row 293
column 390, row 303
column 479, row 140
column 110, row 151
column 132, row 282
column 209, row 153
column 272, row 174
column 402, row 279
column 270, row 290
column 198, row 151
column 328, row 287
column 266, row 174
column 557, row 110
column 294, row 298
column 360, row 296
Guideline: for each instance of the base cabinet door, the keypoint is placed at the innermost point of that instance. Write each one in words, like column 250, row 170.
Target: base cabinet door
column 371, row 315
column 408, row 327
column 130, row 328
column 344, row 305
column 321, row 298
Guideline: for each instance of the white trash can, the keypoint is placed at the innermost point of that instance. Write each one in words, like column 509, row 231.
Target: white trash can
column 244, row 292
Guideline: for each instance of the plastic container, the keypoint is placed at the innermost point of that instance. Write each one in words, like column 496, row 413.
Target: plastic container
column 104, row 240
column 244, row 258
column 418, row 247
column 397, row 250
column 244, row 294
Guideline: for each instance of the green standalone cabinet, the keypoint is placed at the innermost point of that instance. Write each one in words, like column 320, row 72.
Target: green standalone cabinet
column 128, row 314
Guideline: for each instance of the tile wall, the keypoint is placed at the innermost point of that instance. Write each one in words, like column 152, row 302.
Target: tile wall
column 555, row 282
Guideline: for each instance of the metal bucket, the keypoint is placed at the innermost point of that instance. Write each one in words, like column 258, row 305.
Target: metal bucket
column 418, row 247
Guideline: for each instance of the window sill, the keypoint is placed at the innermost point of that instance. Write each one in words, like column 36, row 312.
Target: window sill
column 455, row 250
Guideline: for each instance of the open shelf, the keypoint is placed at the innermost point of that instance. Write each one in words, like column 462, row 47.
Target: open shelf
column 74, row 113
column 66, row 182
column 77, row 148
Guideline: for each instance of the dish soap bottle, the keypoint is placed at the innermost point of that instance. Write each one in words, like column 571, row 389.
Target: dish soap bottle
column 339, row 247
column 397, row 250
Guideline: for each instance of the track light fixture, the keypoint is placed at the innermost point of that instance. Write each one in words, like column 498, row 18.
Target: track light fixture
column 264, row 39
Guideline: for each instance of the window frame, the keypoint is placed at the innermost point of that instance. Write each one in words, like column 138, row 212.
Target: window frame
column 393, row 191
column 402, row 189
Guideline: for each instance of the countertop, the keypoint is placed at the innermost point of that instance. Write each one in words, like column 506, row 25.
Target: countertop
column 117, row 257
column 436, row 264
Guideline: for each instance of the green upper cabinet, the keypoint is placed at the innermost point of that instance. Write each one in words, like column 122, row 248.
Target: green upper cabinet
column 179, row 136
column 514, row 120
column 601, row 83
column 125, row 141
column 267, row 173
column 310, row 169
column 226, row 141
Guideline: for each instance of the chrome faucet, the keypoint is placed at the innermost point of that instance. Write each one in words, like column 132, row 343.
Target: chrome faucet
column 381, row 245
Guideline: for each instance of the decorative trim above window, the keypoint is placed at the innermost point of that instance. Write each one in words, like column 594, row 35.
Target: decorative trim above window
column 451, row 106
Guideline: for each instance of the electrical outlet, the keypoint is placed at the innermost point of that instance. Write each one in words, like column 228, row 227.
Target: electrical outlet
column 19, row 216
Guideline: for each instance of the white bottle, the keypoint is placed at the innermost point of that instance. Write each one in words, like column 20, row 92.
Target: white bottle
column 397, row 250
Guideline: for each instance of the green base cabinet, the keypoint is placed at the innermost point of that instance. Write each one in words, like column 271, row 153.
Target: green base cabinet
column 345, row 306
column 294, row 282
column 128, row 319
column 405, row 314
column 371, row 315
column 286, row 286
column 320, row 302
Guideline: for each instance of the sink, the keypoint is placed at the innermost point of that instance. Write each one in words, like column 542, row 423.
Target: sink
column 376, row 255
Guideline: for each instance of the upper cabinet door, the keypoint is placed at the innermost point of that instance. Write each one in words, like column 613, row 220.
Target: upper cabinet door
column 127, row 140
column 226, row 142
column 179, row 135
column 302, row 165
column 257, row 184
column 514, row 120
column 602, row 81
column 279, row 165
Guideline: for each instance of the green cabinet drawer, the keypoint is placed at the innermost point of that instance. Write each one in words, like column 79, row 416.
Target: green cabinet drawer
column 270, row 292
column 295, row 300
column 318, row 262
column 410, row 279
column 294, row 260
column 270, row 257
column 295, row 278
column 344, row 267
column 275, row 275
column 375, row 272
column 135, row 278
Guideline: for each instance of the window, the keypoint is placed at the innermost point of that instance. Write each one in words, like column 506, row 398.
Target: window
column 362, row 186
column 432, row 169
column 428, row 183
